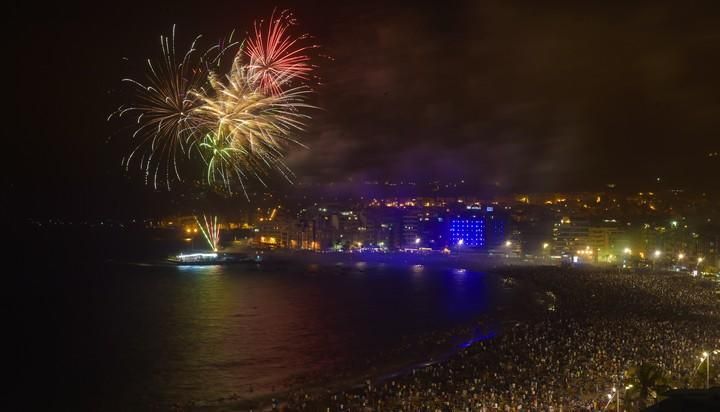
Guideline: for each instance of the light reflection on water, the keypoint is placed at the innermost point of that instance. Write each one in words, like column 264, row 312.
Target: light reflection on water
column 172, row 334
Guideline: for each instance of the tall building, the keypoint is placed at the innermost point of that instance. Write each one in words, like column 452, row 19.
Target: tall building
column 570, row 235
column 468, row 231
column 602, row 239
column 477, row 229
column 411, row 221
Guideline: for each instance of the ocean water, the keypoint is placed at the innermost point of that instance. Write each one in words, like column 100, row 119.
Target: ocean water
column 123, row 332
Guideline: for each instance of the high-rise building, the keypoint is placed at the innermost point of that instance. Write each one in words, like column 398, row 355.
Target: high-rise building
column 482, row 229
column 468, row 231
column 570, row 235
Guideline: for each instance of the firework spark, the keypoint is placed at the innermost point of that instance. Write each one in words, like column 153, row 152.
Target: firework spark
column 164, row 112
column 210, row 231
column 239, row 123
column 249, row 130
column 276, row 57
column 224, row 162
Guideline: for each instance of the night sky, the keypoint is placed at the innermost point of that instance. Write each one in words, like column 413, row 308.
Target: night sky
column 516, row 95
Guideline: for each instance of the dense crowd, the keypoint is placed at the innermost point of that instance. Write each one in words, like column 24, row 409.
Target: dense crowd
column 588, row 330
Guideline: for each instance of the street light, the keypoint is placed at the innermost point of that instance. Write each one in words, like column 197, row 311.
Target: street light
column 706, row 358
column 618, row 402
column 681, row 256
column 616, row 393
column 627, row 251
column 656, row 255
column 546, row 245
column 617, row 398
column 697, row 267
column 508, row 243
column 458, row 244
column 417, row 240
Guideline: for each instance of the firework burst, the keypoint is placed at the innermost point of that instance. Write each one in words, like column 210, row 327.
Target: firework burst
column 165, row 124
column 239, row 123
column 249, row 129
column 276, row 57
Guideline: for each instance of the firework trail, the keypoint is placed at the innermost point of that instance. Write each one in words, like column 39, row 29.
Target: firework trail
column 210, row 231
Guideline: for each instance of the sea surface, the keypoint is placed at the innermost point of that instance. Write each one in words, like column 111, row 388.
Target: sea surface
column 108, row 328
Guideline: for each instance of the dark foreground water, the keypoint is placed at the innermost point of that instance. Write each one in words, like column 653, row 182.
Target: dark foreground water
column 128, row 335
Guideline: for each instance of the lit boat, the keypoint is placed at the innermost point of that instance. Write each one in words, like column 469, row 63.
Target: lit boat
column 212, row 258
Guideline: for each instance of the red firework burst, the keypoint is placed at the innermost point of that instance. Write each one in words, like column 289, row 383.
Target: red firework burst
column 276, row 57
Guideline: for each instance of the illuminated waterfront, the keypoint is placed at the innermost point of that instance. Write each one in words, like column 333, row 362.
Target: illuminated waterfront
column 163, row 334
column 113, row 333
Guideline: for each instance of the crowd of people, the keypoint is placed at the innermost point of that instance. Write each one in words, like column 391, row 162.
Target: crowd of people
column 587, row 330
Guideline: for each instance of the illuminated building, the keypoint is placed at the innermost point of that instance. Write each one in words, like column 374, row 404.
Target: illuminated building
column 468, row 232
column 484, row 229
column 570, row 235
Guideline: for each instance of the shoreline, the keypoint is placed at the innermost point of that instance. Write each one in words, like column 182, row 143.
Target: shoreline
column 570, row 317
column 458, row 339
column 379, row 375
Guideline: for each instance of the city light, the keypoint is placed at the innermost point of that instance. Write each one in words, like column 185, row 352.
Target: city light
column 204, row 255
column 546, row 245
column 657, row 254
column 472, row 231
column 196, row 257
column 508, row 243
column 627, row 251
column 417, row 240
column 681, row 256
column 460, row 242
